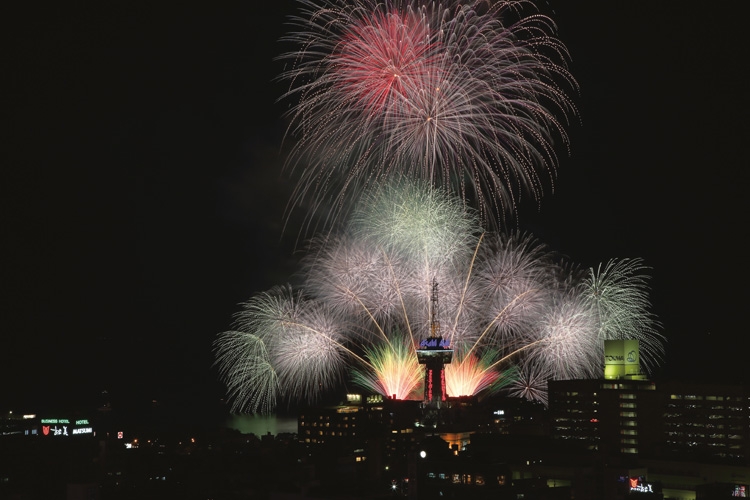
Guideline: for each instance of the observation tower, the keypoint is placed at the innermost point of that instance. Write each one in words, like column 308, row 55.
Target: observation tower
column 434, row 352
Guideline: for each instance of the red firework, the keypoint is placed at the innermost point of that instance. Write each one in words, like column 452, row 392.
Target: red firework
column 383, row 60
column 470, row 96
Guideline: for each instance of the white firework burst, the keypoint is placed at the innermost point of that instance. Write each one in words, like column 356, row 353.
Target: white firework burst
column 365, row 302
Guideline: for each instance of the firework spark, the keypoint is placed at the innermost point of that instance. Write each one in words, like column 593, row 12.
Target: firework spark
column 466, row 96
column 392, row 368
column 281, row 341
column 506, row 302
column 468, row 375
column 531, row 383
column 618, row 294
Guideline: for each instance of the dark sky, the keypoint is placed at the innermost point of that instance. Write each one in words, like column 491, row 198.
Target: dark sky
column 142, row 197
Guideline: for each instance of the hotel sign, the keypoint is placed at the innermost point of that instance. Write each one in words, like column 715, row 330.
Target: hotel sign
column 640, row 486
column 66, row 427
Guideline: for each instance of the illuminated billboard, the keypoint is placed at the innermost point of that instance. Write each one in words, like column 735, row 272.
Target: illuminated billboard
column 621, row 359
column 66, row 427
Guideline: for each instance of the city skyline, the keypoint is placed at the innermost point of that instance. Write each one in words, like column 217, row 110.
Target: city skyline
column 143, row 197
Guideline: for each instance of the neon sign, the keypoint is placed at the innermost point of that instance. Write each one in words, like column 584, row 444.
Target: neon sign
column 434, row 342
column 66, row 427
column 640, row 486
column 55, row 431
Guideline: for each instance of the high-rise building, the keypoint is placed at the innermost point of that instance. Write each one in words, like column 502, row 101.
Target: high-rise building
column 626, row 414
column 705, row 422
column 685, row 436
column 610, row 416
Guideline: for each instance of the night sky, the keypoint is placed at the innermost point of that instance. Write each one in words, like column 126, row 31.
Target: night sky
column 142, row 196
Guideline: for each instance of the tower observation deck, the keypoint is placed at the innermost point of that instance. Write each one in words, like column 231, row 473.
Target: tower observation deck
column 434, row 352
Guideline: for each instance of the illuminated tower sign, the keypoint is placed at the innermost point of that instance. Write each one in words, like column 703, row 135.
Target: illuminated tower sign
column 621, row 359
column 434, row 352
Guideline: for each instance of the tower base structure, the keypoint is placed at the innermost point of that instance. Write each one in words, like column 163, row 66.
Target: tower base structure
column 434, row 353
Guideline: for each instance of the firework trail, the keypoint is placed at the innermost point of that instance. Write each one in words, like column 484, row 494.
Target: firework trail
column 562, row 347
column 392, row 369
column 465, row 96
column 531, row 383
column 468, row 375
column 617, row 293
column 507, row 303
column 281, row 342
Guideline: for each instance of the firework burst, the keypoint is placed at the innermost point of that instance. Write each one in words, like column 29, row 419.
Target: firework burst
column 468, row 375
column 617, row 293
column 531, row 383
column 392, row 368
column 468, row 96
column 506, row 302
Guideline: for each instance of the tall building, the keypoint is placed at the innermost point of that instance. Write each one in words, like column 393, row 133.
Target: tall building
column 686, row 437
column 626, row 414
column 705, row 422
column 613, row 415
column 609, row 416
